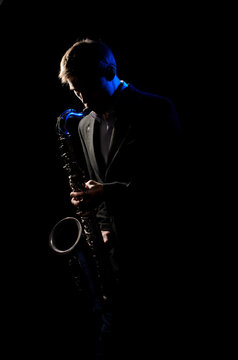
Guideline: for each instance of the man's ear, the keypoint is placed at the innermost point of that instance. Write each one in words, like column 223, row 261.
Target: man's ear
column 110, row 72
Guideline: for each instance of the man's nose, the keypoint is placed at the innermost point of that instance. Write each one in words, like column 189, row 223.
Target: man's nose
column 79, row 95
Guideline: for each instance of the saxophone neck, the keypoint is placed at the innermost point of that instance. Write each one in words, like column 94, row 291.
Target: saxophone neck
column 69, row 119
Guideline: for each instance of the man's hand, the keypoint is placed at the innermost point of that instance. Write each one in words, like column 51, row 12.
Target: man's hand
column 105, row 235
column 88, row 199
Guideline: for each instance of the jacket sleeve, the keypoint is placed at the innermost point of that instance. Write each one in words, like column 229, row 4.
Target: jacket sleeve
column 117, row 194
column 103, row 217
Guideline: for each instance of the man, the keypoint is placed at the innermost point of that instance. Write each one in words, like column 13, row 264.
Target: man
column 131, row 144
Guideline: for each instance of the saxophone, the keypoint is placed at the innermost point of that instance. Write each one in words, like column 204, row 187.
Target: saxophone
column 80, row 237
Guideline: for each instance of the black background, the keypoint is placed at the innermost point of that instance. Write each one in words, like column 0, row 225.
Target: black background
column 160, row 47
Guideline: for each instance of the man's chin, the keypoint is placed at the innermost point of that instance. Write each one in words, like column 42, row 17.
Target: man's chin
column 97, row 108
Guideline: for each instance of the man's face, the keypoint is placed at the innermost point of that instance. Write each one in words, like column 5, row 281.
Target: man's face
column 93, row 92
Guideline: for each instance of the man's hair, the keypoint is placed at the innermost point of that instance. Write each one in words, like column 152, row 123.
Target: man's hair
column 86, row 56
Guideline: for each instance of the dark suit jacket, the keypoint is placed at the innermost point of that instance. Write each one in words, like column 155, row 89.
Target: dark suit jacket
column 143, row 150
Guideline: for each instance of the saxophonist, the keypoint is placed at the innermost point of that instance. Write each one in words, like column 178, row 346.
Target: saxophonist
column 130, row 140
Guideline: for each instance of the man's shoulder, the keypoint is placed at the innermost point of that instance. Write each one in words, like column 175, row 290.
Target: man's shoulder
column 145, row 98
column 145, row 104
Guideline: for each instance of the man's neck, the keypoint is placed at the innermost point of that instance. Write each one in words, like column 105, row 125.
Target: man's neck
column 109, row 103
column 115, row 95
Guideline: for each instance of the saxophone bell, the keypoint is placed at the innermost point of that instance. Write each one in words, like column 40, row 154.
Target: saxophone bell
column 65, row 235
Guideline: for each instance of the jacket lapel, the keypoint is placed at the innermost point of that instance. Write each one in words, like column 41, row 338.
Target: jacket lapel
column 90, row 142
column 119, row 135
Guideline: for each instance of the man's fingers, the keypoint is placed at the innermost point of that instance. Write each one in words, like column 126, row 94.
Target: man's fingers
column 76, row 194
column 89, row 184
